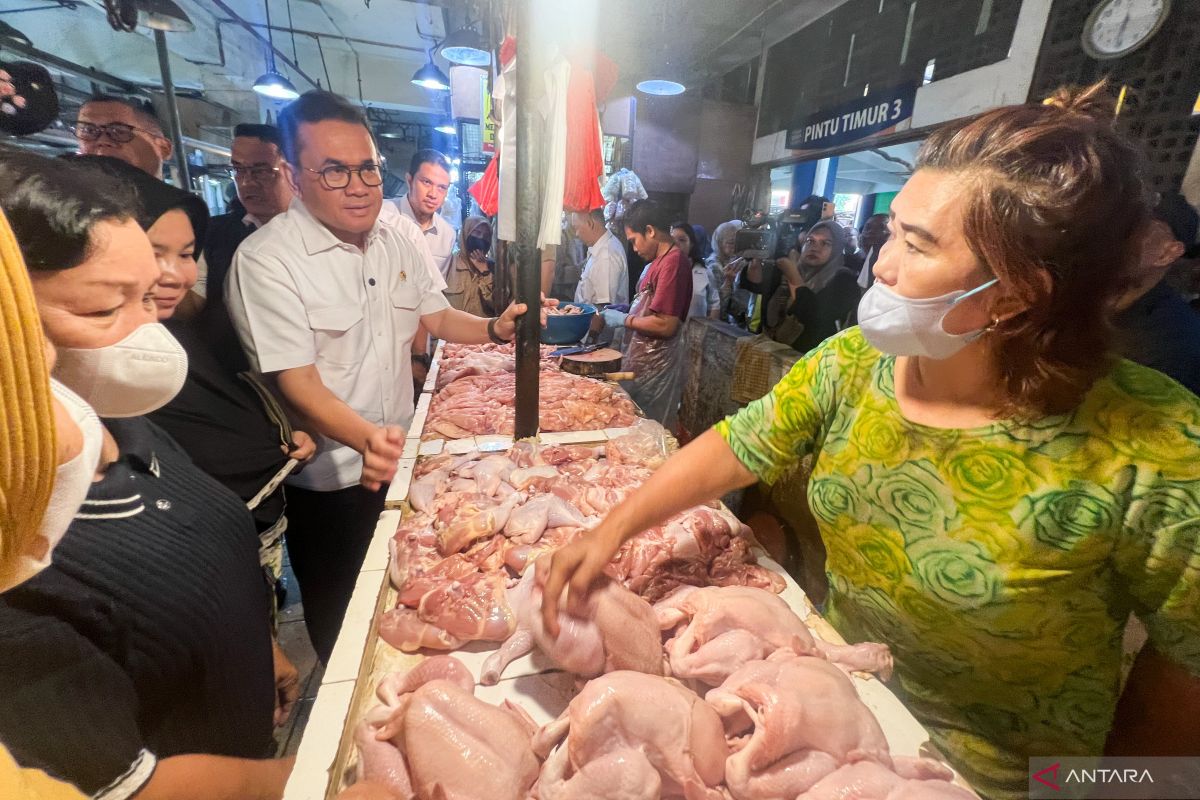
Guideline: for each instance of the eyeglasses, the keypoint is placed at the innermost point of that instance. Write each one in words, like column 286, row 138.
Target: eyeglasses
column 338, row 176
column 117, row 132
column 259, row 172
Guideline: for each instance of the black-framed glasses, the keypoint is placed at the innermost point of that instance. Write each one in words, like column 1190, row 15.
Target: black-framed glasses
column 263, row 173
column 118, row 132
column 338, row 176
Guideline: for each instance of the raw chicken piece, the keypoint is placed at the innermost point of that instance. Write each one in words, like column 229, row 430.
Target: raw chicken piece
column 404, row 630
column 527, row 523
column 719, row 629
column 472, row 517
column 618, row 632
column 474, row 404
column 619, row 775
column 867, row 780
column 424, row 490
column 453, row 746
column 524, row 477
column 674, row 730
column 380, row 762
column 519, row 557
column 807, row 720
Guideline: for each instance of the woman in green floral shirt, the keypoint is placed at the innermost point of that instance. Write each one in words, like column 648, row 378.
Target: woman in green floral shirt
column 996, row 495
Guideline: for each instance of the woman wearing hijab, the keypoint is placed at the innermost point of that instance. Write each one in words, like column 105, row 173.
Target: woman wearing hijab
column 470, row 282
column 723, row 269
column 819, row 291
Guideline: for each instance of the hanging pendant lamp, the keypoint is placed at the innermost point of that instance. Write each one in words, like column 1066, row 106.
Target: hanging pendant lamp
column 271, row 84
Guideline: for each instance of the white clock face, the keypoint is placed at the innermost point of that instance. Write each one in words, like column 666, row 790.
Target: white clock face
column 1117, row 27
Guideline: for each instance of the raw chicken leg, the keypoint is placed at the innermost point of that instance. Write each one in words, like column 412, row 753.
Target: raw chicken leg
column 618, row 632
column 720, row 628
column 677, row 733
column 807, row 720
column 452, row 745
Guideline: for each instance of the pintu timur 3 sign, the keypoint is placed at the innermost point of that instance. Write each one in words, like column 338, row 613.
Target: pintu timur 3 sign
column 867, row 116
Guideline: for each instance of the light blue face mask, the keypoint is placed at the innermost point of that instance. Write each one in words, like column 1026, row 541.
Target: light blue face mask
column 907, row 326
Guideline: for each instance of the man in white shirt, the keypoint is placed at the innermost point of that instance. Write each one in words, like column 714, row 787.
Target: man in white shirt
column 326, row 300
column 428, row 182
column 605, row 276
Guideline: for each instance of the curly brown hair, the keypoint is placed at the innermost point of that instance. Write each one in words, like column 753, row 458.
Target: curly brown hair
column 1056, row 202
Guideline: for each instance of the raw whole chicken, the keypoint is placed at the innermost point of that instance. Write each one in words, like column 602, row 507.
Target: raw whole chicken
column 617, row 632
column 867, row 780
column 719, row 629
column 445, row 743
column 636, row 722
column 805, row 719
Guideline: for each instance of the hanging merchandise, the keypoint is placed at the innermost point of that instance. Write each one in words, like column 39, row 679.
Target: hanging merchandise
column 585, row 155
column 554, row 151
column 504, row 95
column 486, row 190
column 623, row 188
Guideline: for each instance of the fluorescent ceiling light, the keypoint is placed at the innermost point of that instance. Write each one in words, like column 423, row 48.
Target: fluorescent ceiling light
column 661, row 87
column 447, row 129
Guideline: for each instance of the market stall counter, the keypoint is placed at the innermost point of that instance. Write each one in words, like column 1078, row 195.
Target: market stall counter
column 444, row 633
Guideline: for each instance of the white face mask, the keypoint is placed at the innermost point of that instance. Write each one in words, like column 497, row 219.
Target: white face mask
column 906, row 326
column 71, row 483
column 137, row 375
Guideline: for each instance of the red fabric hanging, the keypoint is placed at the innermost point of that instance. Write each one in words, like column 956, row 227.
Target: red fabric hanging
column 486, row 190
column 585, row 158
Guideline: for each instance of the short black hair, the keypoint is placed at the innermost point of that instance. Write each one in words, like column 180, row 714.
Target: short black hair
column 143, row 108
column 694, row 250
column 267, row 133
column 428, row 156
column 315, row 106
column 53, row 206
column 643, row 214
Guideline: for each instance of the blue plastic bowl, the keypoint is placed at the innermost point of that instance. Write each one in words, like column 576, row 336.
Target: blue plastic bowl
column 570, row 328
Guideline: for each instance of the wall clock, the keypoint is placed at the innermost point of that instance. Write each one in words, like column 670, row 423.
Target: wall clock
column 1116, row 28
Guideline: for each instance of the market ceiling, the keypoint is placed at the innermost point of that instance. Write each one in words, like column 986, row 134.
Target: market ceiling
column 370, row 49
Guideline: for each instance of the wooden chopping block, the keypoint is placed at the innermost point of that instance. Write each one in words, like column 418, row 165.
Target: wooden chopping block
column 594, row 364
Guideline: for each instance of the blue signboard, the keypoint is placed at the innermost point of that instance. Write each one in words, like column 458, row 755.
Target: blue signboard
column 866, row 116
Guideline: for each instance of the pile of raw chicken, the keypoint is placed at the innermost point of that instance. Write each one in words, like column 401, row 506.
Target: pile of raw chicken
column 701, row 682
column 476, row 390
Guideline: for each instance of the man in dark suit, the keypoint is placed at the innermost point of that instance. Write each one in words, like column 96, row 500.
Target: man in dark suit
column 263, row 191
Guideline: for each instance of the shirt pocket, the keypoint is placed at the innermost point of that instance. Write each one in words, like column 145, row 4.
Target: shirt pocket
column 336, row 334
column 405, row 298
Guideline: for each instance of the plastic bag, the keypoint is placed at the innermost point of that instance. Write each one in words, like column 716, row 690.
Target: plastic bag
column 645, row 445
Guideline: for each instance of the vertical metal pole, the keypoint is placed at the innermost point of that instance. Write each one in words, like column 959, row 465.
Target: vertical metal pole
column 525, row 250
column 176, row 132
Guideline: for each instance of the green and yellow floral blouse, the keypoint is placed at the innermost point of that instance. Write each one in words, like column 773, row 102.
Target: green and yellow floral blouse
column 999, row 563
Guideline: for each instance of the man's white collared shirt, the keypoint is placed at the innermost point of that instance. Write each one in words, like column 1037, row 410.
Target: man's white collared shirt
column 605, row 277
column 407, row 227
column 298, row 295
column 440, row 236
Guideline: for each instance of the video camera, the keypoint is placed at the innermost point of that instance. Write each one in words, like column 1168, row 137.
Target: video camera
column 770, row 238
